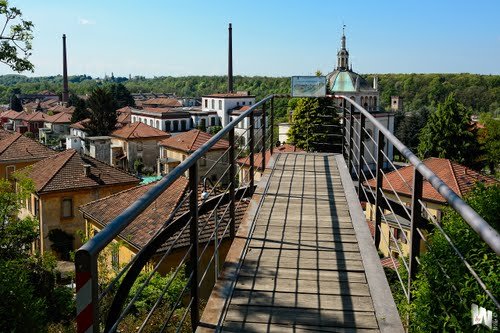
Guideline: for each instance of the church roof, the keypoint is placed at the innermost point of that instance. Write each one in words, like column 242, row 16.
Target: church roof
column 345, row 80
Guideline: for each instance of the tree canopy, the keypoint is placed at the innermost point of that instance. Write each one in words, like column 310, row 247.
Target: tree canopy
column 443, row 293
column 81, row 111
column 15, row 39
column 448, row 134
column 309, row 117
column 122, row 95
column 102, row 106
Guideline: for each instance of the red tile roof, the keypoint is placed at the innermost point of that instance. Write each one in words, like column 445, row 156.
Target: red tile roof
column 65, row 172
column 36, row 116
column 9, row 114
column 61, row 108
column 192, row 140
column 17, row 147
column 140, row 231
column 123, row 118
column 139, row 131
column 284, row 148
column 162, row 102
column 458, row 177
column 80, row 125
column 60, row 118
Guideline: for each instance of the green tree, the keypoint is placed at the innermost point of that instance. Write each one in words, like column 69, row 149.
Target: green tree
column 442, row 300
column 310, row 115
column 15, row 103
column 81, row 111
column 448, row 134
column 122, row 95
column 102, row 105
column 30, row 297
column 15, row 39
column 489, row 137
column 408, row 126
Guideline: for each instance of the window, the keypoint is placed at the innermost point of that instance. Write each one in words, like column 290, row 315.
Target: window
column 249, row 103
column 67, row 207
column 220, row 104
column 9, row 170
column 212, row 121
column 237, row 103
column 213, row 104
column 175, row 124
column 183, row 125
column 36, row 207
column 167, row 126
column 158, row 124
column 243, row 103
column 191, row 123
column 206, row 103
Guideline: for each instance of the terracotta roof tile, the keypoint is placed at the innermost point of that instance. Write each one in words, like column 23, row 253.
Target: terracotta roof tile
column 458, row 177
column 191, row 141
column 15, row 146
column 37, row 116
column 9, row 114
column 65, row 171
column 139, row 131
column 80, row 125
column 238, row 94
column 162, row 102
column 60, row 118
column 284, row 148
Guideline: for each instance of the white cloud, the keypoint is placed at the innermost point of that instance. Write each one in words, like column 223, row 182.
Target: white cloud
column 83, row 21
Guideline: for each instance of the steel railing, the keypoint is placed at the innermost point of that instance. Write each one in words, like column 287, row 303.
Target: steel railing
column 369, row 158
column 103, row 307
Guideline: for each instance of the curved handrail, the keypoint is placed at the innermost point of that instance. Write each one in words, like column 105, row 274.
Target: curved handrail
column 475, row 221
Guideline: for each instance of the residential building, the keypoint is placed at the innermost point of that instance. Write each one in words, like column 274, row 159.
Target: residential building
column 18, row 151
column 98, row 214
column 65, row 181
column 458, row 177
column 177, row 148
column 170, row 120
column 7, row 119
column 136, row 141
column 55, row 127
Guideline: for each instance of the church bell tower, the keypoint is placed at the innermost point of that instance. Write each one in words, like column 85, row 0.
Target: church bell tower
column 343, row 54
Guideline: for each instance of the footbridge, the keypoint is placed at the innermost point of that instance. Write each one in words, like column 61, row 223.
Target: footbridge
column 271, row 239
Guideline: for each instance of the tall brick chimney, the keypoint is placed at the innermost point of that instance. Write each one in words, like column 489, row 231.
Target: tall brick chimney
column 230, row 62
column 65, row 92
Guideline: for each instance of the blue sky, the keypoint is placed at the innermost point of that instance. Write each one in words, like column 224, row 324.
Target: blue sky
column 272, row 38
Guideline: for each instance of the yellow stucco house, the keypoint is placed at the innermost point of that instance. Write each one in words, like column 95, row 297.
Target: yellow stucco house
column 458, row 177
column 177, row 148
column 139, row 232
column 18, row 151
column 65, row 181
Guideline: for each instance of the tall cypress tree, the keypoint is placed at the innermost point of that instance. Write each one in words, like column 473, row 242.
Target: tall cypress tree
column 81, row 111
column 102, row 106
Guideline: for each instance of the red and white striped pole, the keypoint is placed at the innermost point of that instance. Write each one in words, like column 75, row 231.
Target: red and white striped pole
column 86, row 293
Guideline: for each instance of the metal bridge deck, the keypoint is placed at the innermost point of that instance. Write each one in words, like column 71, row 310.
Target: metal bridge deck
column 299, row 264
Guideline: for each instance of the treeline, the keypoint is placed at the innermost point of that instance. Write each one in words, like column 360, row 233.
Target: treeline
column 481, row 93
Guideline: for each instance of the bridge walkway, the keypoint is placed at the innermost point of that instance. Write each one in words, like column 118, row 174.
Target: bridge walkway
column 303, row 259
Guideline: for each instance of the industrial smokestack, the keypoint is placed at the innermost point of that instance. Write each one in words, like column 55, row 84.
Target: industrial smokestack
column 230, row 62
column 65, row 93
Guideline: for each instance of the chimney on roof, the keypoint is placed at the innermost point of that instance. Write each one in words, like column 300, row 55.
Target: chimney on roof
column 86, row 170
column 230, row 62
column 65, row 93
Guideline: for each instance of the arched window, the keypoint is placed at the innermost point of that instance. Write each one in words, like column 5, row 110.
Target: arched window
column 158, row 124
column 175, row 126
column 375, row 102
column 167, row 125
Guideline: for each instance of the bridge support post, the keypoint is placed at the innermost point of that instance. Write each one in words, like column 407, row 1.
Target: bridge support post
column 232, row 179
column 351, row 138
column 271, row 146
column 344, row 129
column 87, row 305
column 193, row 232
column 378, row 196
column 416, row 222
column 251, row 144
column 360, row 153
column 263, row 129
